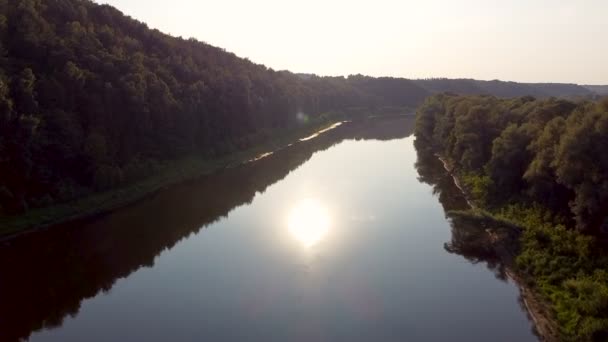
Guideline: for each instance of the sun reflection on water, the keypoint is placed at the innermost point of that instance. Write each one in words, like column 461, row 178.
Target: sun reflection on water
column 309, row 222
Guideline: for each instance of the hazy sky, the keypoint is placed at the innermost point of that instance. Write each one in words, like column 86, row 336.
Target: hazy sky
column 519, row 40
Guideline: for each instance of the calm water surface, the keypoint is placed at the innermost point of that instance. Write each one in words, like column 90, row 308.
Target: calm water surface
column 331, row 239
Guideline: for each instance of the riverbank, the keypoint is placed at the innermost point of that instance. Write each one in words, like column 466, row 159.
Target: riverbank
column 178, row 171
column 505, row 247
column 172, row 173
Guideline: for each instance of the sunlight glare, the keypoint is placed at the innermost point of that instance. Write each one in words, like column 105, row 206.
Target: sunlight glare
column 309, row 222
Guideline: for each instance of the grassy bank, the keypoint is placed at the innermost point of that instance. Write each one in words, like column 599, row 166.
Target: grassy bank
column 502, row 234
column 176, row 171
column 561, row 272
column 168, row 173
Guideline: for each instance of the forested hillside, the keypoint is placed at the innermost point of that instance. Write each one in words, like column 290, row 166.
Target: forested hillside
column 541, row 165
column 91, row 100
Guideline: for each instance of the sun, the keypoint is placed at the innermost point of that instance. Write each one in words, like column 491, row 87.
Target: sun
column 309, row 222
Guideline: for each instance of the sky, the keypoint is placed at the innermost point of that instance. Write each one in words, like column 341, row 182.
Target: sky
column 516, row 40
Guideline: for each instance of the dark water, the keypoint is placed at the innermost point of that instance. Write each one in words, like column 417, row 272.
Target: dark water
column 331, row 239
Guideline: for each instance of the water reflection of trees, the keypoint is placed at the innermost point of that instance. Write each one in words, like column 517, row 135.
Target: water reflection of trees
column 45, row 276
column 469, row 236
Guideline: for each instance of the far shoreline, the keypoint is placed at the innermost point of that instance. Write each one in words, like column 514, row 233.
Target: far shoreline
column 179, row 171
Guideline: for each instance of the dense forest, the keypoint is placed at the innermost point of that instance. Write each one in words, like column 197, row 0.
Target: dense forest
column 91, row 100
column 539, row 164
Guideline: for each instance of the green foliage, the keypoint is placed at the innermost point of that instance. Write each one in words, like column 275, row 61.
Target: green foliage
column 510, row 157
column 478, row 186
column 544, row 151
column 582, row 307
column 539, row 165
column 570, row 272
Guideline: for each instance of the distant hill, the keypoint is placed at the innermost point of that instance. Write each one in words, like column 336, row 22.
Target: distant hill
column 503, row 88
column 598, row 89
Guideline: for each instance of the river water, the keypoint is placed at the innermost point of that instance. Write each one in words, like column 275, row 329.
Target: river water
column 342, row 237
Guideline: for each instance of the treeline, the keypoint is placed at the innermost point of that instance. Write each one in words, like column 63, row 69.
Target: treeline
column 543, row 151
column 464, row 86
column 541, row 165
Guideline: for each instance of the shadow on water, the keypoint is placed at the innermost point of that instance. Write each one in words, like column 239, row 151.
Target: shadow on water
column 45, row 276
column 469, row 236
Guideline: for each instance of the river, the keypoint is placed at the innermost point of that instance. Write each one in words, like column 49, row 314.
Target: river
column 341, row 237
